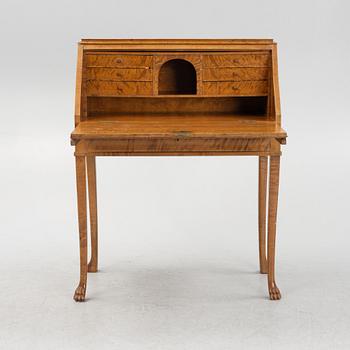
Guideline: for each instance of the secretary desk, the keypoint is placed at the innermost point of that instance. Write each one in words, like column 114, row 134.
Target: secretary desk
column 178, row 97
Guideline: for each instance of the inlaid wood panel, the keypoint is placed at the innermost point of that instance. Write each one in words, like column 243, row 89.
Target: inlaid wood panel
column 237, row 60
column 239, row 88
column 123, row 61
column 118, row 88
column 119, row 74
column 235, row 74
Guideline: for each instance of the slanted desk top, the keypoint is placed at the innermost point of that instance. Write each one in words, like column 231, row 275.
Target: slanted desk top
column 179, row 97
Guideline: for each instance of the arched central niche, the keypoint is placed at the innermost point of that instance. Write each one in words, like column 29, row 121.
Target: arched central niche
column 177, row 77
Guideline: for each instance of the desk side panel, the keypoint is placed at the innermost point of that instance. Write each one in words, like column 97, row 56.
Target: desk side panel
column 276, row 105
column 78, row 86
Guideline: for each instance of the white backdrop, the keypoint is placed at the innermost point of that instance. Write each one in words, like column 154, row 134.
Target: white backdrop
column 178, row 236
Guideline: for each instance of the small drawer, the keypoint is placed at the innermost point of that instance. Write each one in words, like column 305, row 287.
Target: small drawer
column 118, row 88
column 123, row 61
column 239, row 88
column 119, row 74
column 235, row 74
column 237, row 60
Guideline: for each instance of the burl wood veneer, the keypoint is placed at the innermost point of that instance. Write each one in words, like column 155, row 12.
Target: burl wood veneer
column 178, row 98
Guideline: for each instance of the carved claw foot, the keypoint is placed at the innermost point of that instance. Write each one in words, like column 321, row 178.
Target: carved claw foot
column 275, row 293
column 79, row 294
column 92, row 267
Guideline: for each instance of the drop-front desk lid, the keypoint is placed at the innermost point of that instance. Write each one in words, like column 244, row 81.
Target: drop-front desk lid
column 157, row 125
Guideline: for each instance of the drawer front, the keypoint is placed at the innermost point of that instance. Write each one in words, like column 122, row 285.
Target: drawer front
column 237, row 60
column 118, row 88
column 180, row 145
column 239, row 88
column 122, row 61
column 235, row 74
column 119, row 74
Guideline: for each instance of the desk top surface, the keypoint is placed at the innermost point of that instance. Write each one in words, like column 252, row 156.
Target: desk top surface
column 158, row 125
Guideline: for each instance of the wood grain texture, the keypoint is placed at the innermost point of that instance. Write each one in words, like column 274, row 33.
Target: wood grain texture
column 235, row 74
column 184, row 42
column 241, row 59
column 262, row 213
column 118, row 88
column 176, row 45
column 274, row 292
column 118, row 61
column 275, row 87
column 236, row 88
column 119, row 74
column 215, row 126
column 180, row 144
column 91, row 174
column 78, row 86
column 79, row 294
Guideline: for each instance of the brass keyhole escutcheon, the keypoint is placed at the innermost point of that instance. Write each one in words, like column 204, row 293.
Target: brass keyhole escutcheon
column 183, row 133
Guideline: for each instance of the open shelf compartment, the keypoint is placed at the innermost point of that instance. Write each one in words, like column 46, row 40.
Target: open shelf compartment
column 243, row 105
column 177, row 77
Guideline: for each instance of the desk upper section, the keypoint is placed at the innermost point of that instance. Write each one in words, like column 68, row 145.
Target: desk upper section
column 151, row 77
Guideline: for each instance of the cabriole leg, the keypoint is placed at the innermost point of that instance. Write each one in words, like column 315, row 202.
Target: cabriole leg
column 272, row 217
column 80, row 291
column 91, row 171
column 262, row 213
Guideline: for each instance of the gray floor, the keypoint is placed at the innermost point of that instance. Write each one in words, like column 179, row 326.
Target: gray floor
column 139, row 304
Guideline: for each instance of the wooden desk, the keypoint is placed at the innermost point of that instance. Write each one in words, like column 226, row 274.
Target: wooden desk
column 177, row 98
